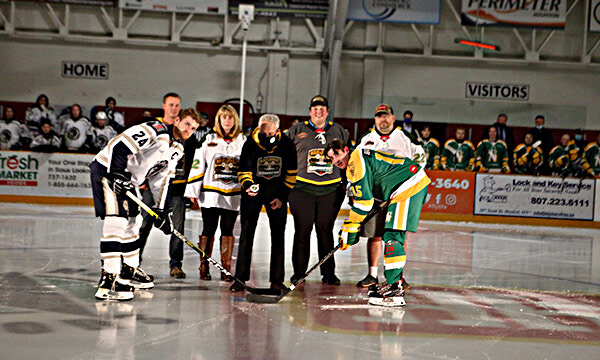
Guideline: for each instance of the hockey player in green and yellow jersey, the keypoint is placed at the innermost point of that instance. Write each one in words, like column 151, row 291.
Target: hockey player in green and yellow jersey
column 563, row 159
column 528, row 156
column 590, row 162
column 432, row 149
column 492, row 154
column 458, row 153
column 402, row 184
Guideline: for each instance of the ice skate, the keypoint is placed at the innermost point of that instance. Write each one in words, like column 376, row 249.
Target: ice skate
column 387, row 295
column 111, row 287
column 136, row 277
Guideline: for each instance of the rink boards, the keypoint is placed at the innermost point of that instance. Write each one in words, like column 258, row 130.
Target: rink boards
column 60, row 178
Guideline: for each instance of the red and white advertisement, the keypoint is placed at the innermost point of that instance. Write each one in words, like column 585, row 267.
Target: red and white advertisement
column 450, row 192
column 38, row 174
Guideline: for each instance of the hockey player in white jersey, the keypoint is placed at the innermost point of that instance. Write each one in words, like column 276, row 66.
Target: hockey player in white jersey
column 14, row 134
column 148, row 151
column 40, row 110
column 99, row 134
column 74, row 130
column 386, row 137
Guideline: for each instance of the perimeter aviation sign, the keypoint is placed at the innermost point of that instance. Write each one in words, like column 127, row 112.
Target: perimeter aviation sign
column 526, row 13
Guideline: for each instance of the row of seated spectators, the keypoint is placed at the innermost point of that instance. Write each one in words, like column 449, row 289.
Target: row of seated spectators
column 537, row 154
column 69, row 131
column 44, row 130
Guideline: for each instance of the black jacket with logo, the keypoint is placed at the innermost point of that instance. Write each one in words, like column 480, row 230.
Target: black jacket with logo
column 274, row 170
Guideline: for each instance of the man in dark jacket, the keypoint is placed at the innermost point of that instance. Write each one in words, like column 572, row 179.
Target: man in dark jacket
column 267, row 173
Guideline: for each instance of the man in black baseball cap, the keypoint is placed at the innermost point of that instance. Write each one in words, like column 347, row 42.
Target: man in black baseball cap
column 319, row 100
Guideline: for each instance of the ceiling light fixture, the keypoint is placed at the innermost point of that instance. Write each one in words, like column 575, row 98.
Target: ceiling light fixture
column 477, row 44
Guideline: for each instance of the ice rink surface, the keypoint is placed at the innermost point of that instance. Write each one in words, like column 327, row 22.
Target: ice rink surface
column 478, row 292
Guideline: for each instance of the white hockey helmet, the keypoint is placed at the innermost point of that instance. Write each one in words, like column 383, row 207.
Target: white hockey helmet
column 101, row 115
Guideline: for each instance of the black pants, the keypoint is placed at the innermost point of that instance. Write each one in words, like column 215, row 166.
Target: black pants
column 177, row 205
column 320, row 211
column 249, row 213
column 210, row 221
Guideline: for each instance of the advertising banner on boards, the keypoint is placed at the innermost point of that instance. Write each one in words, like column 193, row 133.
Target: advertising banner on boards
column 540, row 197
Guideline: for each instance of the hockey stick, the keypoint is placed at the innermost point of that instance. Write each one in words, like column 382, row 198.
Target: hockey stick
column 256, row 297
column 195, row 247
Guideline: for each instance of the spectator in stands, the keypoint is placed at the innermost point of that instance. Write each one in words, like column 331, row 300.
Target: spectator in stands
column 48, row 140
column 563, row 158
column 74, row 131
column 407, row 125
column 115, row 119
column 528, row 156
column 40, row 110
column 14, row 134
column 431, row 147
column 590, row 161
column 99, row 134
column 505, row 133
column 458, row 153
column 492, row 154
column 539, row 132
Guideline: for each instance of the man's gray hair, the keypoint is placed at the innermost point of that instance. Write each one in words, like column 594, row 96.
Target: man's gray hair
column 269, row 118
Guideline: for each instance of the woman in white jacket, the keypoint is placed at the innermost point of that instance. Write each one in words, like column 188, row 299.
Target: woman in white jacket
column 213, row 184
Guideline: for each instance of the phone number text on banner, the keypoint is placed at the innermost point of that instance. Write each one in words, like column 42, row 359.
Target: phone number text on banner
column 57, row 175
column 539, row 197
column 450, row 192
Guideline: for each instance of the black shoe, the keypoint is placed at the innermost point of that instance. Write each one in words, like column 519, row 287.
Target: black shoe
column 236, row 286
column 330, row 280
column 295, row 278
column 278, row 286
column 367, row 281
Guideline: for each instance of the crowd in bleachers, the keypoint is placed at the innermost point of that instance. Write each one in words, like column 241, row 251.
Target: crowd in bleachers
column 535, row 154
column 45, row 130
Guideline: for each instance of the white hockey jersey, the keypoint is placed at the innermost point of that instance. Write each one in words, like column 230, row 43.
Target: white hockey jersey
column 74, row 132
column 99, row 137
column 396, row 143
column 213, row 177
column 11, row 133
column 151, row 155
column 35, row 114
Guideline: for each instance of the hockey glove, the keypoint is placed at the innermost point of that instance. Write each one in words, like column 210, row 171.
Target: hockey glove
column 349, row 234
column 163, row 222
column 121, row 183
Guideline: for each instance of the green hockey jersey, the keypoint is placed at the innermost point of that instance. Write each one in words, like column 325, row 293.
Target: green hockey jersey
column 564, row 160
column 432, row 153
column 590, row 161
column 528, row 159
column 457, row 155
column 492, row 155
column 375, row 174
